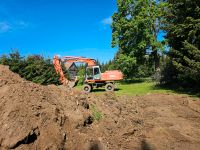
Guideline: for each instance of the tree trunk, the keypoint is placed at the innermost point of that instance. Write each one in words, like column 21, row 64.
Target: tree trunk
column 156, row 59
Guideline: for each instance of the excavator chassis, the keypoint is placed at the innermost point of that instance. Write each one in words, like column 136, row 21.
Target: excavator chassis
column 89, row 86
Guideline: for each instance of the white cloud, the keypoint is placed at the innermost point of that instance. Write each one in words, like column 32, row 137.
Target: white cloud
column 8, row 23
column 107, row 21
column 21, row 24
column 4, row 27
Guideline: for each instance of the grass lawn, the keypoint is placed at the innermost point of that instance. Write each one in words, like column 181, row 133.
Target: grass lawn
column 141, row 88
column 134, row 89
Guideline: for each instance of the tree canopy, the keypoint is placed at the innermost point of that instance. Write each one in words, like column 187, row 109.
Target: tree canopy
column 183, row 34
column 33, row 68
column 135, row 29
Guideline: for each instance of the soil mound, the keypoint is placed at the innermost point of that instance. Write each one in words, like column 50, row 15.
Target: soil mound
column 53, row 117
column 34, row 116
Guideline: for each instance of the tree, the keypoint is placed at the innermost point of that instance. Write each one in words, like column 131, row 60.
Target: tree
column 135, row 29
column 4, row 60
column 107, row 66
column 183, row 34
column 126, row 64
column 34, row 68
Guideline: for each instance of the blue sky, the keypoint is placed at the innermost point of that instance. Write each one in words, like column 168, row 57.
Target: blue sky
column 64, row 27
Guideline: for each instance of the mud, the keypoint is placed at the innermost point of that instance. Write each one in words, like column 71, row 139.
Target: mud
column 54, row 117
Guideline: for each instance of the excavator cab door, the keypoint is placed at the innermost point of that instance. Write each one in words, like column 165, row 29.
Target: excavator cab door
column 93, row 73
column 96, row 73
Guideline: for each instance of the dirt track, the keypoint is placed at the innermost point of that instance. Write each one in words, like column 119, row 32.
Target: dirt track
column 50, row 117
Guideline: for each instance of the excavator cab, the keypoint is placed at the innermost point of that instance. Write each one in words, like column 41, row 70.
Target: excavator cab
column 93, row 73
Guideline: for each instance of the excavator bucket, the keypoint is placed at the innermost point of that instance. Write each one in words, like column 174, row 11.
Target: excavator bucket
column 72, row 83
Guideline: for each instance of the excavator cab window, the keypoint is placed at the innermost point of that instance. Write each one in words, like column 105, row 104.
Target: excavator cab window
column 96, row 71
column 89, row 73
column 93, row 73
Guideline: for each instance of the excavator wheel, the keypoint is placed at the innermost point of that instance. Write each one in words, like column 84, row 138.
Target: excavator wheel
column 109, row 87
column 87, row 88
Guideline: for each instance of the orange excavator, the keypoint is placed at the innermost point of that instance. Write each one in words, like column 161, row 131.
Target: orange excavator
column 93, row 75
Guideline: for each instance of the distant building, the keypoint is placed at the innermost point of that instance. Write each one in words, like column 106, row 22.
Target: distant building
column 72, row 70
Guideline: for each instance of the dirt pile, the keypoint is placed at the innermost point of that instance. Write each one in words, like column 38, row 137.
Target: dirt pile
column 50, row 117
column 149, row 122
column 34, row 116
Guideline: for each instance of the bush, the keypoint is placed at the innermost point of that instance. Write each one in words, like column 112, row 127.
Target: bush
column 34, row 68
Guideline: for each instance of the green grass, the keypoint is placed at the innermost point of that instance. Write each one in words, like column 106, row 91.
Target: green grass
column 142, row 88
column 139, row 89
column 97, row 115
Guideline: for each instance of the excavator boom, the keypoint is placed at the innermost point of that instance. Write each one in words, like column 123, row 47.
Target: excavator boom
column 89, row 61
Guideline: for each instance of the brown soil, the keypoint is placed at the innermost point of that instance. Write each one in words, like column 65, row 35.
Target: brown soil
column 50, row 117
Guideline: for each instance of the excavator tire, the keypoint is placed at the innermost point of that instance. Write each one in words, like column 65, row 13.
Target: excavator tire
column 109, row 87
column 87, row 88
